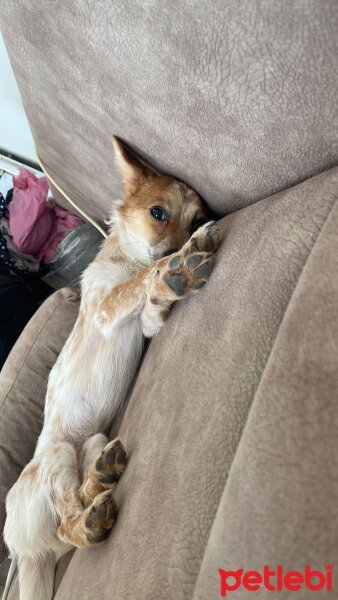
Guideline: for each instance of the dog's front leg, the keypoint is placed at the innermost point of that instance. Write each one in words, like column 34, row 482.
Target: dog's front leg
column 179, row 275
column 124, row 301
column 152, row 291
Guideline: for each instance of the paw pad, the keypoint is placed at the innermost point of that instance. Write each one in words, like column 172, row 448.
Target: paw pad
column 194, row 260
column 203, row 270
column 101, row 517
column 197, row 285
column 175, row 262
column 111, row 462
column 208, row 243
column 207, row 238
column 177, row 283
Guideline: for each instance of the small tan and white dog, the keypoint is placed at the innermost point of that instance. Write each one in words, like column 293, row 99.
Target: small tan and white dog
column 160, row 249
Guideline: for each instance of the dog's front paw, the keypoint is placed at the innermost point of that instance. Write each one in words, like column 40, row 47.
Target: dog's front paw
column 188, row 272
column 190, row 268
column 179, row 275
column 182, row 273
column 206, row 239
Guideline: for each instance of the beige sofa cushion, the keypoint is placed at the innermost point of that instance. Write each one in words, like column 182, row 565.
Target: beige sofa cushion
column 231, row 426
column 23, row 381
column 279, row 505
column 226, row 428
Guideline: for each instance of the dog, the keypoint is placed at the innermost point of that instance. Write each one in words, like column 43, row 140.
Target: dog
column 160, row 249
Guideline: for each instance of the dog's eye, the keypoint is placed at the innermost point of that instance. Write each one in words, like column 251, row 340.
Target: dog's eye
column 197, row 224
column 159, row 214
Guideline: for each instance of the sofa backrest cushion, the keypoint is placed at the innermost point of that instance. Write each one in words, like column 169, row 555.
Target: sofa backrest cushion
column 236, row 98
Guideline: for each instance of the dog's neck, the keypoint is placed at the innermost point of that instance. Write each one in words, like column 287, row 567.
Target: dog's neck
column 123, row 246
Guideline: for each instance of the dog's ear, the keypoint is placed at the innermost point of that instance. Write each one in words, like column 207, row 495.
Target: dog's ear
column 132, row 171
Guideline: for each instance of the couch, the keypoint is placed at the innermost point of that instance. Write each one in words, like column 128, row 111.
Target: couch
column 231, row 426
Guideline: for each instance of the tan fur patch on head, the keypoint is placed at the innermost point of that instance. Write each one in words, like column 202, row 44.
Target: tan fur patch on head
column 145, row 189
column 182, row 208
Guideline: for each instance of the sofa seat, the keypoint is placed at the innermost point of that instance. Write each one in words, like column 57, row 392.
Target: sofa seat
column 231, row 427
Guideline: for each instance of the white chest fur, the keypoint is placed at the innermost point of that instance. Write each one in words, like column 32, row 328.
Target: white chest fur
column 92, row 375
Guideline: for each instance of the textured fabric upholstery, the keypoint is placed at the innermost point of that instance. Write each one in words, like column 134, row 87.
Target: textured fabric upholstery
column 234, row 384
column 279, row 505
column 236, row 98
column 232, row 419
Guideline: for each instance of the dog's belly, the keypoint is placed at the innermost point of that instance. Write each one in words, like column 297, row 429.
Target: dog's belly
column 89, row 383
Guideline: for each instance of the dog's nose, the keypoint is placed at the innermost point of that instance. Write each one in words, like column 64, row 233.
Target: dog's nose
column 170, row 251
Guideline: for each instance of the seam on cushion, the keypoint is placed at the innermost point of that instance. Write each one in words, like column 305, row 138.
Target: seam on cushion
column 260, row 381
column 27, row 354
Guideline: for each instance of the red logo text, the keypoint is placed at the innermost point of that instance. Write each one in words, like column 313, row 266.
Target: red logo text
column 276, row 580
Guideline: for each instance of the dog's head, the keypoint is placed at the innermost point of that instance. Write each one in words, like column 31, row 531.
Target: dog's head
column 158, row 214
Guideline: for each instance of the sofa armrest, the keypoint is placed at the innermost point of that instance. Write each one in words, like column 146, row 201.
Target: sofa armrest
column 23, row 381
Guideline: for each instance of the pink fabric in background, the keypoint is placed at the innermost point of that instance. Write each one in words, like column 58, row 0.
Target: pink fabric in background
column 36, row 227
column 65, row 221
column 31, row 221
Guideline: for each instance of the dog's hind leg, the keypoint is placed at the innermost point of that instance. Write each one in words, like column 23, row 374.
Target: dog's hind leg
column 44, row 509
column 80, row 527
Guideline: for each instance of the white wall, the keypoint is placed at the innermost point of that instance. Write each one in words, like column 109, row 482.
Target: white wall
column 15, row 134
